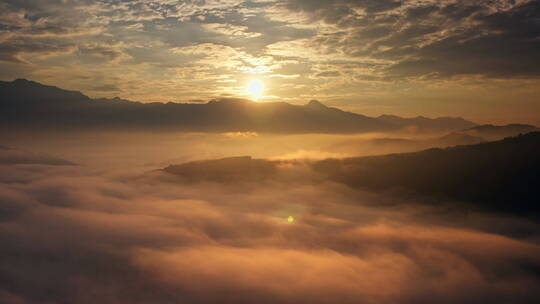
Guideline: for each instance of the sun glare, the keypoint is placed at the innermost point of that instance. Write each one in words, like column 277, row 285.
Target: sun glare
column 255, row 88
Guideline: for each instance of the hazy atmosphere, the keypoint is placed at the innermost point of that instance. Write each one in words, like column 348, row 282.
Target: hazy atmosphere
column 280, row 151
column 476, row 59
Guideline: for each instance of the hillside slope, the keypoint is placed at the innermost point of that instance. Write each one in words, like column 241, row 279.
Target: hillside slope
column 502, row 175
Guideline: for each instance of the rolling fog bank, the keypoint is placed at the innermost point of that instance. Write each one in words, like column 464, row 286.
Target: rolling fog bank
column 171, row 217
column 75, row 234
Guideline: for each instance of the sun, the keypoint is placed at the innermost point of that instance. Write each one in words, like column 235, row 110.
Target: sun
column 255, row 88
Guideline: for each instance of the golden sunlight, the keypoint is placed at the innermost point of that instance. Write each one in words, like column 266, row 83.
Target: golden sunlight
column 255, row 88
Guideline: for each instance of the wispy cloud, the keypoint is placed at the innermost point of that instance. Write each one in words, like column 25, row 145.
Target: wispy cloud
column 384, row 49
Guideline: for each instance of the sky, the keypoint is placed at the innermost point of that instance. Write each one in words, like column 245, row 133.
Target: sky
column 475, row 59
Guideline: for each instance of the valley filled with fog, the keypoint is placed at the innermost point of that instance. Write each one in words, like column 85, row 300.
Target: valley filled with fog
column 269, row 152
column 183, row 217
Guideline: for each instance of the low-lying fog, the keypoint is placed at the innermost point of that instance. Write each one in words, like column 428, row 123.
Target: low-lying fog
column 114, row 149
column 112, row 230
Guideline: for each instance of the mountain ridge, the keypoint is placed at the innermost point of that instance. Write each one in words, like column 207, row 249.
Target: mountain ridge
column 30, row 104
column 499, row 176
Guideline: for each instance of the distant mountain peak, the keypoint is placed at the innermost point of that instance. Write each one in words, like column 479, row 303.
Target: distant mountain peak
column 24, row 90
column 422, row 122
column 22, row 99
column 388, row 116
column 230, row 100
column 23, row 81
column 490, row 126
column 316, row 104
column 114, row 100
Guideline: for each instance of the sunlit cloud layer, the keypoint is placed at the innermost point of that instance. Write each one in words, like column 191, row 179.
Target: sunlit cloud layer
column 77, row 235
column 367, row 55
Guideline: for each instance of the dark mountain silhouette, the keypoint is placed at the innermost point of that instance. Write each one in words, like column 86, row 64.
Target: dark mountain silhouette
column 470, row 136
column 385, row 145
column 226, row 170
column 502, row 175
column 377, row 146
column 483, row 133
column 422, row 124
column 458, row 139
column 27, row 104
column 491, row 132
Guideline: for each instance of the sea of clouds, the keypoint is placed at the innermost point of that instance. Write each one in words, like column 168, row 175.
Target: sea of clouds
column 77, row 234
column 103, row 227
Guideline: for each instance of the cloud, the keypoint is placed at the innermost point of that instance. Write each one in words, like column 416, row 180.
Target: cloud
column 444, row 39
column 383, row 50
column 17, row 156
column 81, row 234
column 493, row 54
column 105, row 52
column 15, row 49
column 107, row 88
